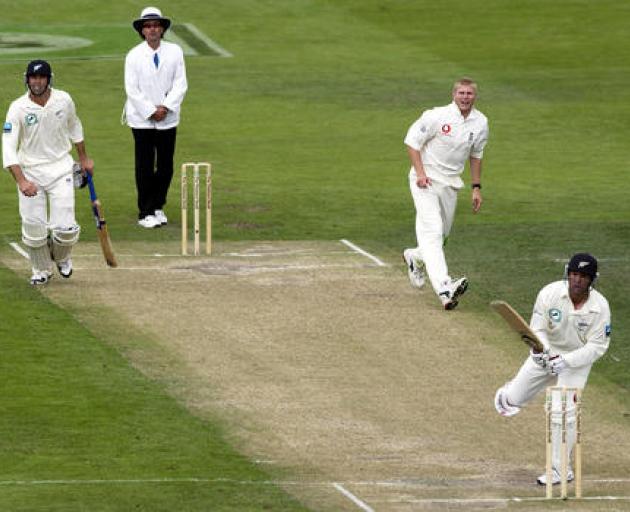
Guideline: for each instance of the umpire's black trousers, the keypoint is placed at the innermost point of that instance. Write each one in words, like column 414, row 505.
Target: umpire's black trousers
column 153, row 181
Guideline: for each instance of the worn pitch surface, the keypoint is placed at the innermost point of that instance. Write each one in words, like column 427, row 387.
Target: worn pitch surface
column 328, row 368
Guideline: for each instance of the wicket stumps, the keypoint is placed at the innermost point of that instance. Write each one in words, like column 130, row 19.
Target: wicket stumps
column 196, row 168
column 557, row 403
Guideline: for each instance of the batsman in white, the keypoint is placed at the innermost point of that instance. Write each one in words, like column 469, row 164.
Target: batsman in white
column 572, row 320
column 39, row 131
column 439, row 143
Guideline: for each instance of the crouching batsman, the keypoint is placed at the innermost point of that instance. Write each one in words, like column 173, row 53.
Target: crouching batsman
column 572, row 320
column 40, row 129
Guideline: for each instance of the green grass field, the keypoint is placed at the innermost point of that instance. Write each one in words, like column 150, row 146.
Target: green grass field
column 304, row 126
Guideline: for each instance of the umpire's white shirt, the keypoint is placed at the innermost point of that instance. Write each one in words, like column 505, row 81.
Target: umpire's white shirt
column 39, row 139
column 582, row 336
column 148, row 86
column 446, row 140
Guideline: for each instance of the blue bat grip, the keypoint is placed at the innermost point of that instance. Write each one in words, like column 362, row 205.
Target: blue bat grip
column 90, row 183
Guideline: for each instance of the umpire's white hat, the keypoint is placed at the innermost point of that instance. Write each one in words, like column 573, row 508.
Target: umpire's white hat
column 150, row 14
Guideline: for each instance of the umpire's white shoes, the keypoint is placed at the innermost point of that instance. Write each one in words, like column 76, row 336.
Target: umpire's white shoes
column 451, row 292
column 415, row 269
column 65, row 268
column 160, row 216
column 40, row 277
column 555, row 477
column 150, row 221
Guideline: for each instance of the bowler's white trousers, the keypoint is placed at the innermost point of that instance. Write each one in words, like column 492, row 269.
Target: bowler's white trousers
column 435, row 211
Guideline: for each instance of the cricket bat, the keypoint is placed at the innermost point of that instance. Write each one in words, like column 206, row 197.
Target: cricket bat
column 518, row 324
column 101, row 225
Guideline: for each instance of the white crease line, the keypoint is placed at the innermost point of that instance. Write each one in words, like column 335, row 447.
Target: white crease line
column 358, row 249
column 340, row 488
column 477, row 501
column 209, row 42
column 361, row 504
column 471, row 501
column 174, row 38
column 19, row 250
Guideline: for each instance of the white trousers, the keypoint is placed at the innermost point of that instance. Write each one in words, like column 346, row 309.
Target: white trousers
column 532, row 379
column 435, row 211
column 34, row 210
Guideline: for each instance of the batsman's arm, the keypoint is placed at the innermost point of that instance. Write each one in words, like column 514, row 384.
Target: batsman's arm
column 87, row 164
column 27, row 187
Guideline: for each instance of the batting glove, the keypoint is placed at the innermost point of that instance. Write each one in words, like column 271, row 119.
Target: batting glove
column 540, row 358
column 78, row 176
column 557, row 365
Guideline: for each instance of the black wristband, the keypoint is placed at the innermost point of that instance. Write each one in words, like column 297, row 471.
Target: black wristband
column 476, row 185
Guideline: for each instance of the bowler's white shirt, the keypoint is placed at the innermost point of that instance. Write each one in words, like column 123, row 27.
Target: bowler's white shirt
column 147, row 86
column 582, row 336
column 39, row 139
column 446, row 140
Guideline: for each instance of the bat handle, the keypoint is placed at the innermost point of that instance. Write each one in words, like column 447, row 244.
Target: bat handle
column 91, row 188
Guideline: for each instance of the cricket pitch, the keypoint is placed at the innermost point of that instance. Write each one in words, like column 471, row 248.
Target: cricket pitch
column 329, row 369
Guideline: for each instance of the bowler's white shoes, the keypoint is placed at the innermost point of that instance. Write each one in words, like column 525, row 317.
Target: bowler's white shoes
column 415, row 269
column 555, row 477
column 160, row 216
column 451, row 292
column 149, row 222
column 40, row 277
column 65, row 268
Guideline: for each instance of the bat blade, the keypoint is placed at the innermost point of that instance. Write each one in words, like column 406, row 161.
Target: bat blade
column 518, row 324
column 106, row 244
column 101, row 226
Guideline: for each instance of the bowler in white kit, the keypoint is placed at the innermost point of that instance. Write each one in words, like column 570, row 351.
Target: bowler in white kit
column 40, row 129
column 438, row 144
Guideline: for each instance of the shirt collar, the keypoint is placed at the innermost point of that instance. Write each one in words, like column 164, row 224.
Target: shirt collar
column 590, row 306
column 151, row 50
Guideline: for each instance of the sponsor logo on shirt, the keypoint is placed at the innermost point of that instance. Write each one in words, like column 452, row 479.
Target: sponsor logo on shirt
column 7, row 128
column 30, row 119
column 446, row 129
column 471, row 137
column 582, row 325
column 555, row 315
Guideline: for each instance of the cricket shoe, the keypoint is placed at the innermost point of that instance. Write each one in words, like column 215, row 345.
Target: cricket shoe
column 555, row 477
column 150, row 221
column 40, row 277
column 160, row 216
column 65, row 268
column 452, row 291
column 415, row 270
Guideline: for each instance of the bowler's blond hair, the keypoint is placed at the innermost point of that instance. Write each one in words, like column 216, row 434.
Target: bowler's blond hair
column 465, row 81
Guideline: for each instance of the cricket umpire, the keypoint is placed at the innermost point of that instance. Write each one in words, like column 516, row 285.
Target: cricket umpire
column 155, row 83
column 572, row 320
column 438, row 144
column 39, row 131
